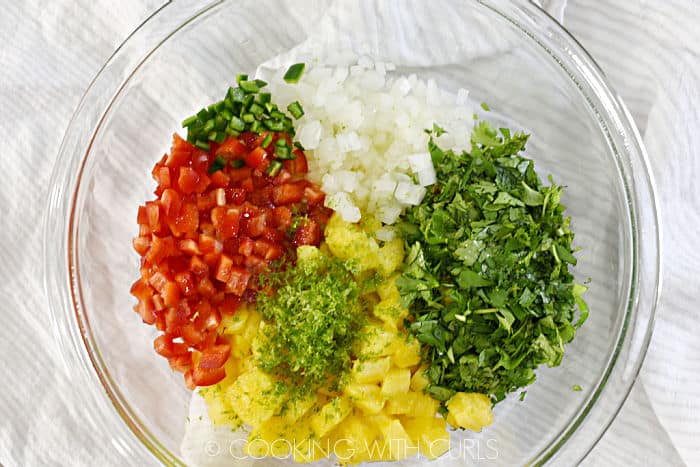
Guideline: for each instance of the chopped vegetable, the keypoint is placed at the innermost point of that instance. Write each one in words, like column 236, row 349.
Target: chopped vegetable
column 295, row 109
column 294, row 73
column 486, row 275
column 313, row 318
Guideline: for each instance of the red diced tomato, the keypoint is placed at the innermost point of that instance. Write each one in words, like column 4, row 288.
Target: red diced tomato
column 288, row 193
column 191, row 335
column 257, row 158
column 171, row 294
column 180, row 152
column 141, row 245
column 189, row 247
column 298, row 165
column 236, row 195
column 188, row 219
column 245, row 246
column 238, row 175
column 255, row 226
column 229, row 227
column 206, row 288
column 251, row 139
column 273, row 235
column 142, row 216
column 198, row 267
column 162, row 176
column 181, row 363
column 238, row 281
column 231, row 148
column 309, row 233
column 282, row 217
column 186, row 283
column 145, row 309
column 314, row 196
column 247, row 185
column 220, row 179
column 267, row 250
column 207, row 376
column 188, row 180
column 215, row 357
column 229, row 305
column 224, row 269
column 153, row 212
column 165, row 346
column 171, row 202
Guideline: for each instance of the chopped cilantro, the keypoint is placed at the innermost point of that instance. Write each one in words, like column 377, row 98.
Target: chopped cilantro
column 576, row 387
column 486, row 272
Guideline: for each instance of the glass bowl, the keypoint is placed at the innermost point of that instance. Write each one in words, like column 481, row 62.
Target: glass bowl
column 509, row 54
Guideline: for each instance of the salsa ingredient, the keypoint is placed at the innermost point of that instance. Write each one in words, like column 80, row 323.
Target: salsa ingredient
column 486, row 275
column 244, row 108
column 220, row 219
column 294, row 72
column 380, row 411
column 311, row 322
column 362, row 127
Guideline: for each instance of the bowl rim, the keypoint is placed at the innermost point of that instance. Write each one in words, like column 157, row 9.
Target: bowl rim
column 61, row 265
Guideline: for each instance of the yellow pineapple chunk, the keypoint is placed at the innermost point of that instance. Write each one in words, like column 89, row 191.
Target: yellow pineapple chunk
column 419, row 381
column 390, row 256
column 331, row 415
column 236, row 323
column 367, row 397
column 387, row 289
column 376, row 342
column 252, row 397
column 471, row 411
column 397, row 381
column 413, row 404
column 390, row 312
column 399, row 442
column 352, row 440
column 370, row 371
column 407, row 353
column 430, row 433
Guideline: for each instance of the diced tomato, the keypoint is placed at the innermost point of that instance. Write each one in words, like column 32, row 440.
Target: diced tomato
column 153, row 212
column 206, row 287
column 255, row 226
column 257, row 158
column 180, row 152
column 236, row 195
column 289, row 193
column 238, row 281
column 229, row 305
column 186, row 283
column 224, row 269
column 142, row 217
column 188, row 180
column 215, row 357
column 198, row 267
column 298, row 165
column 267, row 250
column 145, row 309
column 231, row 148
column 309, row 233
column 191, row 335
column 171, row 294
column 165, row 346
column 205, row 201
column 171, row 202
column 207, row 376
column 189, row 247
column 314, row 196
column 245, row 246
column 238, row 175
column 188, row 219
column 141, row 245
column 261, row 196
column 141, row 290
column 220, row 179
column 282, row 217
column 162, row 176
column 251, row 139
column 230, row 224
column 247, row 185
column 181, row 363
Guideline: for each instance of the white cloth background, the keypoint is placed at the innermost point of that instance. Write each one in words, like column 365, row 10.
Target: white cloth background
column 49, row 52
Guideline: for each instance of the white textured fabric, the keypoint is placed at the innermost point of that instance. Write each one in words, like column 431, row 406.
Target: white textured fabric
column 50, row 51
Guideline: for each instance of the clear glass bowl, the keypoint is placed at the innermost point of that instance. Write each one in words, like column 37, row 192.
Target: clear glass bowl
column 509, row 54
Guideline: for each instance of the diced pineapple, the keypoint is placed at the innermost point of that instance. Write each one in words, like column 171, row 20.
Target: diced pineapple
column 471, row 411
column 294, row 409
column 375, row 342
column 245, row 396
column 353, row 439
column 348, row 241
column 390, row 312
column 370, row 371
column 390, row 256
column 220, row 413
column 307, row 253
column 387, row 289
column 399, row 442
column 235, row 324
column 331, row 415
column 407, row 353
column 414, row 404
column 430, row 433
column 397, row 381
column 367, row 397
column 419, row 381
